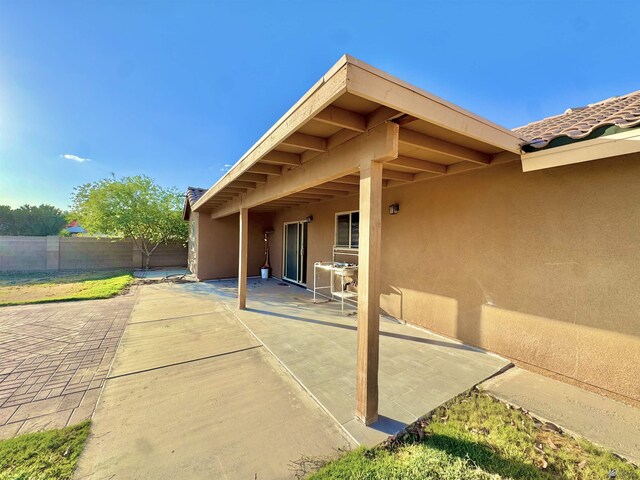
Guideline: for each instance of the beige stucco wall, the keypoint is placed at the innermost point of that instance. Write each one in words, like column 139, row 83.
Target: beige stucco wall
column 541, row 267
column 217, row 245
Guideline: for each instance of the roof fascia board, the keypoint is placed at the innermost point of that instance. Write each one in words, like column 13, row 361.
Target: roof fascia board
column 186, row 209
column 380, row 87
column 622, row 143
column 331, row 86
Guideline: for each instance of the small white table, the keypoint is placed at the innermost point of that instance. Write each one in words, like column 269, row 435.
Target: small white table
column 336, row 269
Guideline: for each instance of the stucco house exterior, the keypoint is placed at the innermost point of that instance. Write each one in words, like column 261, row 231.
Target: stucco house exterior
column 522, row 242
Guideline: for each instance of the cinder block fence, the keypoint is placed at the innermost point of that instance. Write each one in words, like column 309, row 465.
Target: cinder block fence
column 81, row 253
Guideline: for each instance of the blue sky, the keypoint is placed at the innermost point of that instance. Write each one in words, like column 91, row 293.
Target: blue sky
column 177, row 90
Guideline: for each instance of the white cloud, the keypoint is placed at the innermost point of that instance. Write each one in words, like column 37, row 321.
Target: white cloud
column 75, row 158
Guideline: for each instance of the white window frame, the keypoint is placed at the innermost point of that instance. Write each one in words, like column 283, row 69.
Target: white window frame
column 335, row 226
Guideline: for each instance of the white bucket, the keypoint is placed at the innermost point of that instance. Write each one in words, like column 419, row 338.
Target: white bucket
column 264, row 272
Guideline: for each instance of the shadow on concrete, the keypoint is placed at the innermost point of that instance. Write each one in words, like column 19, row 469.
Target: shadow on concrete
column 354, row 328
column 388, row 425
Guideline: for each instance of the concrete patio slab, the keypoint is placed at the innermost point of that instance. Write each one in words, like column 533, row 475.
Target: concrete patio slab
column 197, row 396
column 234, row 416
column 153, row 344
column 602, row 420
column 156, row 307
column 418, row 370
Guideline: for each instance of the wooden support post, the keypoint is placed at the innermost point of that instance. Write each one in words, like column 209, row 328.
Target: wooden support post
column 369, row 291
column 242, row 258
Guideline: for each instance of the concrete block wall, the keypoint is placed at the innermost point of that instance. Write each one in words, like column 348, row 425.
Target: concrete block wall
column 23, row 253
column 81, row 253
column 85, row 253
column 53, row 253
column 169, row 256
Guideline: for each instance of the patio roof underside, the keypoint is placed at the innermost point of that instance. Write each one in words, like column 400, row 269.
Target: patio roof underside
column 434, row 138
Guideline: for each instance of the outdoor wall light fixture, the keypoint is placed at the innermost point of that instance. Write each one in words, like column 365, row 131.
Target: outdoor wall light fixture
column 310, row 219
column 394, row 208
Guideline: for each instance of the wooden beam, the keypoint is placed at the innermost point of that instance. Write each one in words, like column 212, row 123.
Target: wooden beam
column 399, row 176
column 307, row 201
column 380, row 115
column 368, row 328
column 405, row 119
column 308, row 142
column 289, row 200
column 497, row 159
column 322, row 191
column 243, row 184
column 460, row 167
column 284, row 205
column 312, row 196
column 281, row 158
column 224, row 196
column 463, row 167
column 253, row 177
column 216, row 204
column 233, row 189
column 338, row 186
column 449, row 150
column 339, row 117
column 379, row 144
column 351, row 179
column 333, row 141
column 242, row 258
column 266, row 169
column 417, row 164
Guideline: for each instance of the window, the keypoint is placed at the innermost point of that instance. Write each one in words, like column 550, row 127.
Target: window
column 347, row 229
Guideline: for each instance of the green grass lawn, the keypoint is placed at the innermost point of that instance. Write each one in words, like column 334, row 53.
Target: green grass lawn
column 478, row 437
column 50, row 455
column 43, row 287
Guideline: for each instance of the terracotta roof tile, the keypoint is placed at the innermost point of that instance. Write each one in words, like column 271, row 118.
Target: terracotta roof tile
column 577, row 123
column 194, row 193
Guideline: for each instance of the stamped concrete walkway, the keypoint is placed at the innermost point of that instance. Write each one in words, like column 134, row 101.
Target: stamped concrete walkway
column 54, row 359
column 192, row 394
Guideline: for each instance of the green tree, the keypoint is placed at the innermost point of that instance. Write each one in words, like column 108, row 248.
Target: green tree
column 31, row 220
column 132, row 207
column 6, row 220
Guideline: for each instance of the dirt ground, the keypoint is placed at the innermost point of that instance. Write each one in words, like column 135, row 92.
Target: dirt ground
column 42, row 287
column 30, row 293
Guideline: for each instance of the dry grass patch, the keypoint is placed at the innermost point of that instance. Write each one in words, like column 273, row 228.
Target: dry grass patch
column 39, row 287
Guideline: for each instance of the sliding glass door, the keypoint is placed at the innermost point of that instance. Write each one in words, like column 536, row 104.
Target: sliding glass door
column 295, row 252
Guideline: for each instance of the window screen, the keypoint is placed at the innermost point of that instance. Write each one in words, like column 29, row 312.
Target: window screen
column 342, row 230
column 355, row 229
column 347, row 229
